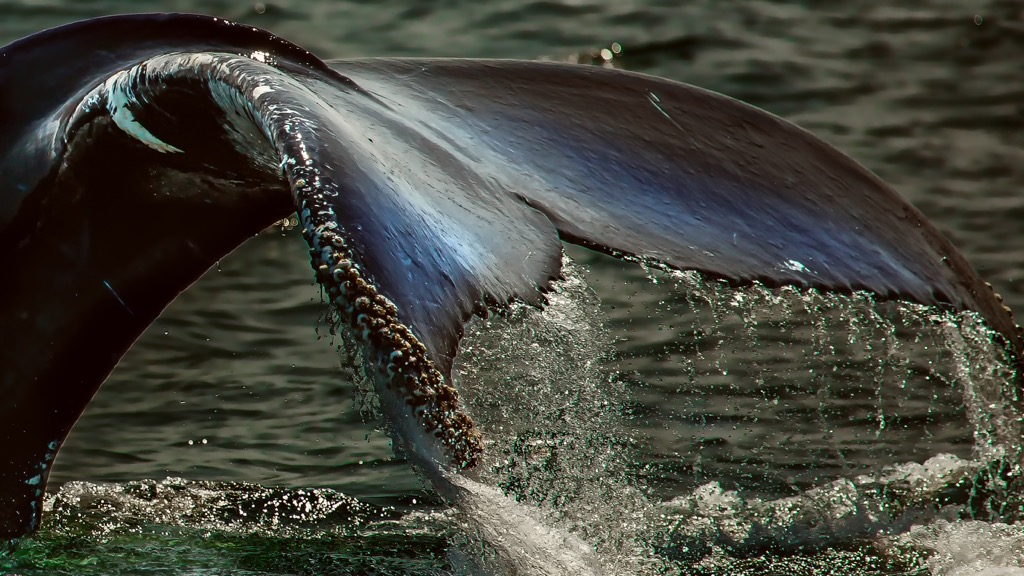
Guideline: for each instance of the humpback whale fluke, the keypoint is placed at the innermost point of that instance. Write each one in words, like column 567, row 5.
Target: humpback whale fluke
column 135, row 151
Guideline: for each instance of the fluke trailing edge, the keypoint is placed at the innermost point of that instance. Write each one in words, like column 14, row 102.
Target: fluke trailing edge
column 135, row 151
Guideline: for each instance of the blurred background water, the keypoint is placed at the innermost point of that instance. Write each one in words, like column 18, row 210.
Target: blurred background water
column 695, row 391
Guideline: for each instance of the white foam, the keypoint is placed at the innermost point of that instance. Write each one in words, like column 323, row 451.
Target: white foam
column 971, row 548
column 519, row 539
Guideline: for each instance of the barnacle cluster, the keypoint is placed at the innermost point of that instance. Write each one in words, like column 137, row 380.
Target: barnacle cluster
column 402, row 360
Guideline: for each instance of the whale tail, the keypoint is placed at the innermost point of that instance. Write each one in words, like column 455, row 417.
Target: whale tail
column 428, row 190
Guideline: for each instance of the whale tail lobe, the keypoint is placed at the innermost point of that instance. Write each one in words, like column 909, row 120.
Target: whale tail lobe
column 428, row 190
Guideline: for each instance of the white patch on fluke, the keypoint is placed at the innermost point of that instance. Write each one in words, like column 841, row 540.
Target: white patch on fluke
column 653, row 98
column 119, row 97
column 126, row 122
column 796, row 266
column 118, row 296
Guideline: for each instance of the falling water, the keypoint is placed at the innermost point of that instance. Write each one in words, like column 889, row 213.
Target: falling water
column 773, row 430
column 854, row 463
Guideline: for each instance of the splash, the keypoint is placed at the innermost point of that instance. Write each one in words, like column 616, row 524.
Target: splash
column 791, row 425
column 178, row 526
column 727, row 431
column 555, row 421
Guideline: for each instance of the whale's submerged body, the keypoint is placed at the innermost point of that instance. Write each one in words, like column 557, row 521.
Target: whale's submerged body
column 135, row 151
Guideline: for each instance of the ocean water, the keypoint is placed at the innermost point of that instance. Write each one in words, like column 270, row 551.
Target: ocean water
column 645, row 422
